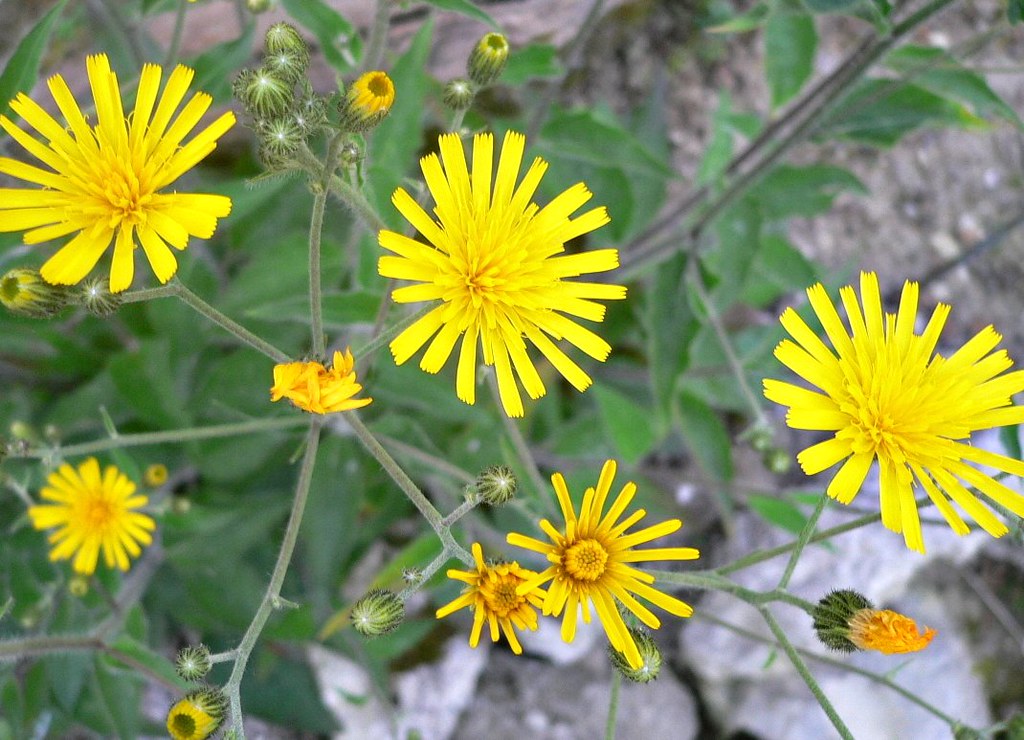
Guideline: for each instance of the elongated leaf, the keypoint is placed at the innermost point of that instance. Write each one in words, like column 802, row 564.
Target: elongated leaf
column 23, row 68
column 137, row 654
column 803, row 191
column 466, row 8
column 719, row 151
column 629, row 424
column 535, row 60
column 783, row 514
column 671, row 326
column 705, row 436
column 789, row 45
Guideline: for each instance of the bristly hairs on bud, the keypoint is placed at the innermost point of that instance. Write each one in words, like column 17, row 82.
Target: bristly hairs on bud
column 459, row 94
column 488, row 58
column 832, row 618
column 288, row 65
column 367, row 101
column 284, row 37
column 193, row 662
column 263, row 93
column 496, row 485
column 377, row 613
column 198, row 715
column 280, row 137
column 95, row 295
column 650, row 657
column 24, row 292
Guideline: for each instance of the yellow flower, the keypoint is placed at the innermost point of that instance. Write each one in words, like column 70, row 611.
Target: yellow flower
column 496, row 263
column 102, row 182
column 92, row 513
column 313, row 388
column 494, row 598
column 887, row 632
column 368, row 101
column 886, row 396
column 590, row 557
column 197, row 715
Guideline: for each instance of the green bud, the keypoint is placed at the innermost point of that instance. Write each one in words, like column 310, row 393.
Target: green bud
column 259, row 6
column 283, row 37
column 459, row 94
column 95, row 295
column 761, row 439
column 963, row 732
column 650, row 656
column 832, row 618
column 280, row 137
column 288, row 65
column 412, row 576
column 310, row 113
column 488, row 58
column 78, row 585
column 193, row 662
column 350, row 154
column 377, row 613
column 24, row 292
column 263, row 93
column 496, row 485
column 777, row 460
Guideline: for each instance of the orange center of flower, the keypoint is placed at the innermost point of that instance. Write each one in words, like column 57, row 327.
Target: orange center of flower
column 98, row 513
column 500, row 595
column 124, row 197
column 585, row 560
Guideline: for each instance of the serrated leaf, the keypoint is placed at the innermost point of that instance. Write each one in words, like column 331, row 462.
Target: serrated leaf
column 629, row 425
column 705, row 436
column 23, row 67
column 790, row 42
column 466, row 8
column 339, row 41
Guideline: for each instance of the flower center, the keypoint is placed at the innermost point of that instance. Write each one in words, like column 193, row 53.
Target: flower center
column 184, row 725
column 879, row 419
column 500, row 595
column 99, row 512
column 585, row 560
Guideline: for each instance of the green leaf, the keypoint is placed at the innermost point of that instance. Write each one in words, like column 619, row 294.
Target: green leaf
column 671, row 325
column 148, row 385
column 340, row 309
column 530, row 62
column 66, row 674
column 938, row 71
column 22, row 69
column 629, row 424
column 285, row 692
column 833, row 6
column 719, row 152
column 753, row 18
column 779, row 268
column 339, row 41
column 783, row 514
column 216, row 67
column 1015, row 11
column 705, row 436
column 465, row 8
column 790, row 42
column 137, row 654
column 803, row 191
column 738, row 230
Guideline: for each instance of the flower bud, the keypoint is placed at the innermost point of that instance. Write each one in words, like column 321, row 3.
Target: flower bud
column 258, row 6
column 367, row 101
column 459, row 94
column 309, row 113
column 78, row 585
column 777, row 460
column 197, row 715
column 263, row 93
column 95, row 295
column 283, row 37
column 24, row 292
column 193, row 662
column 846, row 621
column 412, row 576
column 488, row 58
column 963, row 732
column 650, row 657
column 155, row 475
column 761, row 439
column 287, row 65
column 832, row 618
column 377, row 613
column 280, row 137
column 496, row 485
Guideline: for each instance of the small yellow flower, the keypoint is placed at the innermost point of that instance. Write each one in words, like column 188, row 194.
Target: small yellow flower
column 313, row 388
column 495, row 264
column 102, row 182
column 197, row 716
column 590, row 558
column 494, row 597
column 368, row 100
column 887, row 632
column 886, row 395
column 155, row 475
column 93, row 513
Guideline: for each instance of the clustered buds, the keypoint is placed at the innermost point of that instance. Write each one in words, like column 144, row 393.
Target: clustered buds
column 24, row 292
column 847, row 621
column 650, row 657
column 496, row 485
column 198, row 715
column 377, row 613
column 193, row 662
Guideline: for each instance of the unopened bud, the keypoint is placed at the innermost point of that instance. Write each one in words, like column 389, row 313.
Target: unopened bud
column 197, row 715
column 367, row 101
column 778, row 461
column 283, row 37
column 377, row 613
column 181, row 504
column 650, row 657
column 78, row 585
column 459, row 94
column 496, row 485
column 258, row 6
column 412, row 576
column 155, row 475
column 280, row 137
column 95, row 295
column 263, row 93
column 310, row 113
column 193, row 662
column 290, row 66
column 24, row 292
column 488, row 58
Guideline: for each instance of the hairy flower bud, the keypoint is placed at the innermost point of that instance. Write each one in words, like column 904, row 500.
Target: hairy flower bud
column 650, row 656
column 198, row 715
column 193, row 662
column 777, row 460
column 280, row 137
column 264, row 93
column 496, row 485
column 459, row 94
column 846, row 621
column 78, row 585
column 95, row 295
column 288, row 65
column 283, row 37
column 24, row 292
column 258, row 6
column 367, row 101
column 488, row 58
column 377, row 613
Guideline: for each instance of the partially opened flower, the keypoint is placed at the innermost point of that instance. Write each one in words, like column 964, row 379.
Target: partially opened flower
column 845, row 620
column 496, row 264
column 314, row 388
column 92, row 513
column 492, row 593
column 886, row 395
column 102, row 182
column 590, row 563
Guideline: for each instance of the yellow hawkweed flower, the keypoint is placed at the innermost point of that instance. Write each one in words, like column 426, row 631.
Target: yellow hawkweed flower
column 92, row 512
column 887, row 632
column 24, row 292
column 102, row 182
column 494, row 595
column 886, row 396
column 368, row 100
column 590, row 557
column 496, row 263
column 198, row 715
column 313, row 388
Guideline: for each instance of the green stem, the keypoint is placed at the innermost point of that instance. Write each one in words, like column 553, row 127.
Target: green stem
column 710, row 580
column 233, row 327
column 801, row 668
column 805, row 536
column 179, row 26
column 316, row 307
column 148, row 294
column 357, row 202
column 378, row 35
column 272, row 596
column 446, row 554
column 386, row 335
column 432, row 461
column 460, row 511
column 613, row 706
column 156, row 438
